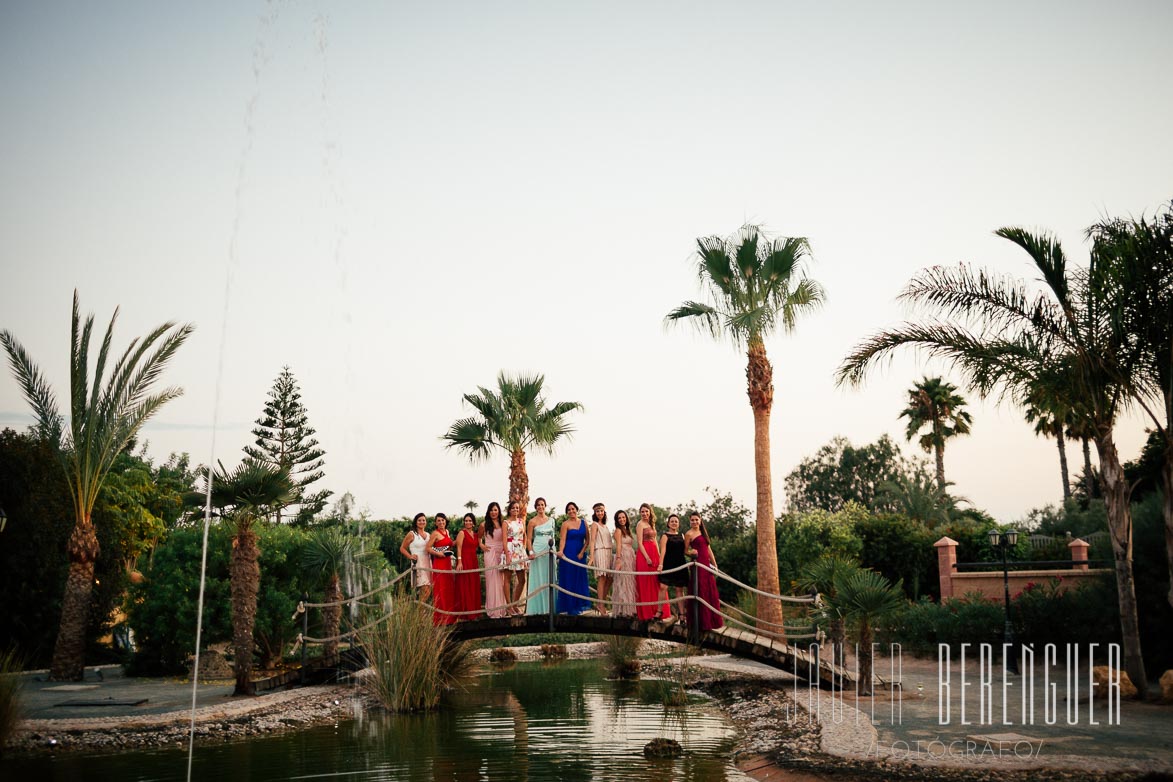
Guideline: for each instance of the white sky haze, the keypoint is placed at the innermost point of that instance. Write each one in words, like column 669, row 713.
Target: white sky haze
column 398, row 200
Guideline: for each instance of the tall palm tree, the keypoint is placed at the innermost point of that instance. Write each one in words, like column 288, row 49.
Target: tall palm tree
column 936, row 404
column 1140, row 254
column 102, row 420
column 249, row 492
column 513, row 418
column 866, row 597
column 1004, row 338
column 755, row 285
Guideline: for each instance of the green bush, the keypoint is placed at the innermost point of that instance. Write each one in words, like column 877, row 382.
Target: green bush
column 804, row 537
column 163, row 607
column 900, row 548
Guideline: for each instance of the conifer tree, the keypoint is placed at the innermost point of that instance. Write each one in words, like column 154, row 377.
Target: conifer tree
column 285, row 440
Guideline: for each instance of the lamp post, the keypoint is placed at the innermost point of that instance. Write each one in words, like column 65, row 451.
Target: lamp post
column 1003, row 541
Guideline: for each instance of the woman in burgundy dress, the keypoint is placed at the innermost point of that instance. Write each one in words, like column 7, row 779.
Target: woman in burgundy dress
column 468, row 580
column 696, row 544
column 443, row 585
column 651, row 597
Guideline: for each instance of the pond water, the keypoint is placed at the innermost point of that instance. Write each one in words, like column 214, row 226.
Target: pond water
column 561, row 723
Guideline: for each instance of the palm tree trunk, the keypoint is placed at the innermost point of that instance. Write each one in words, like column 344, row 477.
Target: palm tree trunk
column 518, row 480
column 865, row 657
column 939, row 449
column 760, row 381
column 1063, row 464
column 1167, row 510
column 246, row 579
column 1087, row 468
column 69, row 652
column 1116, row 496
column 332, row 615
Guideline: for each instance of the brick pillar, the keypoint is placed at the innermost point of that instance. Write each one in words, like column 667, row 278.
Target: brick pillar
column 946, row 565
column 1078, row 554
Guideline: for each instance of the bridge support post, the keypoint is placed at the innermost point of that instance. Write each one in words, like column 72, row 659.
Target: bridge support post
column 305, row 630
column 694, row 605
column 551, row 592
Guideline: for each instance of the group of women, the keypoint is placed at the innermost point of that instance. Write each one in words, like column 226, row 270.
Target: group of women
column 634, row 569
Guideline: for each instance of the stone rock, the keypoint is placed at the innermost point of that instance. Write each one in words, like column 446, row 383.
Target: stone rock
column 213, row 665
column 663, row 748
column 1100, row 675
column 1167, row 686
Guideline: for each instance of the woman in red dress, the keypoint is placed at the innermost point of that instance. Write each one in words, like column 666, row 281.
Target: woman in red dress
column 468, row 580
column 647, row 568
column 443, row 585
column 696, row 544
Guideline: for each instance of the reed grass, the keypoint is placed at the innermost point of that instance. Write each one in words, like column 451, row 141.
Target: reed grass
column 414, row 662
column 622, row 655
column 11, row 701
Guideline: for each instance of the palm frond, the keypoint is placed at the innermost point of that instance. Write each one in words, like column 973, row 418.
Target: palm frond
column 36, row 390
column 1048, row 257
column 704, row 318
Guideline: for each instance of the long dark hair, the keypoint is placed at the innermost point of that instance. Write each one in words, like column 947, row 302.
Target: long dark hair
column 489, row 524
column 626, row 522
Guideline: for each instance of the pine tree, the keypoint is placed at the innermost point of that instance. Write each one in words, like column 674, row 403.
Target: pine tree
column 285, row 440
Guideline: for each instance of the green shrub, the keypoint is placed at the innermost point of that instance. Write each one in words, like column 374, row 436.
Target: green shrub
column 900, row 549
column 804, row 537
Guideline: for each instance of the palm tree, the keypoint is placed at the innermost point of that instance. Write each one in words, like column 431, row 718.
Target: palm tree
column 102, row 421
column 249, row 492
column 916, row 495
column 514, row 418
column 1004, row 338
column 865, row 597
column 755, row 285
column 823, row 576
column 1140, row 255
column 333, row 553
column 934, row 403
column 1052, row 417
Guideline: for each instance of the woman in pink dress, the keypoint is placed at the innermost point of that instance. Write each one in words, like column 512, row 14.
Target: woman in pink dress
column 492, row 535
column 443, row 582
column 468, row 580
column 652, row 595
column 624, row 591
column 697, row 544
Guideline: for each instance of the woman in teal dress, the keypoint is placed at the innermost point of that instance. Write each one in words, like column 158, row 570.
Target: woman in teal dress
column 539, row 539
column 572, row 576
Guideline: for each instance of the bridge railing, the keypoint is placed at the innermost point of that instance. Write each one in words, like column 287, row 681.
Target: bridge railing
column 787, row 631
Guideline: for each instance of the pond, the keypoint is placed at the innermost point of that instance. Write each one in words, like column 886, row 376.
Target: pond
column 562, row 723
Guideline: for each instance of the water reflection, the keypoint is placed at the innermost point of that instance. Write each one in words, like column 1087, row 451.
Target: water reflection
column 563, row 723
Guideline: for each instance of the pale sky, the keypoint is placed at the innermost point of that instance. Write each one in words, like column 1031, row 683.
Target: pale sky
column 400, row 199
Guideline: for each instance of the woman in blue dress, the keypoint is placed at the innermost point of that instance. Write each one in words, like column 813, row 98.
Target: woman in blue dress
column 572, row 576
column 539, row 539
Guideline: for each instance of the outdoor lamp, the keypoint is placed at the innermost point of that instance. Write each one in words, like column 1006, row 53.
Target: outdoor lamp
column 1003, row 541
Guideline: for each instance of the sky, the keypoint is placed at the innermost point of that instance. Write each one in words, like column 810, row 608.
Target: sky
column 400, row 200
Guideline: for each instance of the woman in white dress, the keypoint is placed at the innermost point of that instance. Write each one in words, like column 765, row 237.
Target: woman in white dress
column 414, row 546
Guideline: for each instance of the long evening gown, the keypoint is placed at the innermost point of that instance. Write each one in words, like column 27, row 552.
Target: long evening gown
column 443, row 583
column 624, row 592
column 706, row 587
column 647, row 582
column 572, row 576
column 494, row 591
column 539, row 569
column 468, row 584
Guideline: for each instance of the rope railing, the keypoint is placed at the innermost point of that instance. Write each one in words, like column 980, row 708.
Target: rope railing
column 784, row 631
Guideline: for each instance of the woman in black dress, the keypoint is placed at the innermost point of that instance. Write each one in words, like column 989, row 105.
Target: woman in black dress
column 672, row 556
